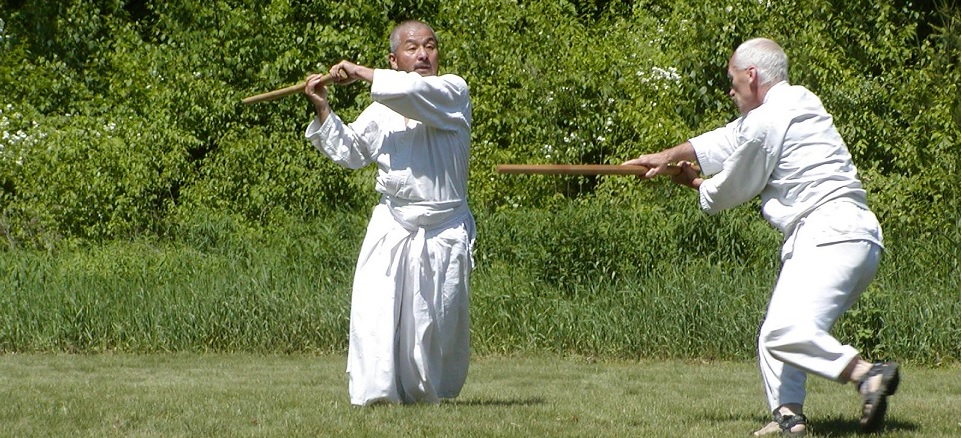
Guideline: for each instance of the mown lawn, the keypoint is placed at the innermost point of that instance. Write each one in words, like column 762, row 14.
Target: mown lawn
column 192, row 395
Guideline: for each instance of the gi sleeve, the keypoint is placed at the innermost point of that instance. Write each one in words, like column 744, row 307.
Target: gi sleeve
column 714, row 147
column 442, row 102
column 352, row 146
column 746, row 171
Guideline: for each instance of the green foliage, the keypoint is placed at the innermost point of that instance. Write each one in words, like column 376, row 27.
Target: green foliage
column 593, row 243
column 552, row 82
column 265, row 176
column 81, row 176
column 557, row 90
column 122, row 120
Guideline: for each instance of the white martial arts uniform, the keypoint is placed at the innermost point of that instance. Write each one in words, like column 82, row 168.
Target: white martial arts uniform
column 789, row 153
column 409, row 336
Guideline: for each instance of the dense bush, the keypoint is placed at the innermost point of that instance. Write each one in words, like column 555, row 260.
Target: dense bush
column 121, row 120
column 573, row 82
column 88, row 176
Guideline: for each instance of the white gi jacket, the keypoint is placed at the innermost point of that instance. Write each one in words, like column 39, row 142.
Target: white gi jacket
column 409, row 338
column 789, row 153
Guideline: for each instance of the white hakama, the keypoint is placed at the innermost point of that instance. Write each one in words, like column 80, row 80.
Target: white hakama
column 409, row 311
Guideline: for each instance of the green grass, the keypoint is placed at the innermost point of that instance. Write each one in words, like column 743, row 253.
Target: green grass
column 190, row 395
column 221, row 287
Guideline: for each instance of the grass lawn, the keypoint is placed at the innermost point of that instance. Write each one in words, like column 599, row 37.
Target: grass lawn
column 193, row 395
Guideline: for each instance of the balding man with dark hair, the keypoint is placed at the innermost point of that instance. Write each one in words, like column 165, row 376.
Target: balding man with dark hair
column 785, row 148
column 410, row 328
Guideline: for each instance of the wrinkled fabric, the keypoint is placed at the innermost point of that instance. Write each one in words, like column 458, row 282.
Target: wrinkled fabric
column 819, row 281
column 420, row 149
column 410, row 326
column 787, row 151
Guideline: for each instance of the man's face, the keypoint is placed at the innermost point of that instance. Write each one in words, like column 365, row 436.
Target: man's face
column 744, row 90
column 417, row 52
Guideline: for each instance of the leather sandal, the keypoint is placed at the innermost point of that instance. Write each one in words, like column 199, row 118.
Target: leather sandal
column 874, row 400
column 783, row 424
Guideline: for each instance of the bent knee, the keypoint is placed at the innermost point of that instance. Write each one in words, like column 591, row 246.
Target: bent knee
column 785, row 336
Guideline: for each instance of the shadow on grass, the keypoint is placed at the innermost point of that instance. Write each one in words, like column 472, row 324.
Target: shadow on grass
column 848, row 427
column 530, row 401
column 835, row 426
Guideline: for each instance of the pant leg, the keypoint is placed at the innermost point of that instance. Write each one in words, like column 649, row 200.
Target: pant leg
column 375, row 312
column 435, row 325
column 454, row 322
column 817, row 284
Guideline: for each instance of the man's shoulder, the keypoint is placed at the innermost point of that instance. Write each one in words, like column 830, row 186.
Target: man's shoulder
column 454, row 79
column 794, row 101
column 788, row 93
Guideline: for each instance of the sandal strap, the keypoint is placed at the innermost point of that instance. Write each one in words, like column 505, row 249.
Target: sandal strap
column 787, row 422
column 877, row 368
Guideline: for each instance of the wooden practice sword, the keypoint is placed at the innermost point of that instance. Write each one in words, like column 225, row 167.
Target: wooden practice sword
column 579, row 169
column 286, row 91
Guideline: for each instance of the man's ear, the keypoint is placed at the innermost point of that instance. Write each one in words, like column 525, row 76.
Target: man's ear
column 753, row 76
column 393, row 60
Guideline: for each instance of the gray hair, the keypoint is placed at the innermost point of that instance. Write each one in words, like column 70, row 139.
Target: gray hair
column 766, row 56
column 396, row 32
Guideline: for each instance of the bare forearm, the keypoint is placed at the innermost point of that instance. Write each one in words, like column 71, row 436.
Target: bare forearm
column 659, row 162
column 365, row 74
column 323, row 111
column 346, row 72
column 681, row 152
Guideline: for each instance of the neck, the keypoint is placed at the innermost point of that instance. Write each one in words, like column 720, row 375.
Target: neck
column 763, row 91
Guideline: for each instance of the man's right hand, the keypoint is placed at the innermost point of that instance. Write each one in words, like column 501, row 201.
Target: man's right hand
column 347, row 72
column 657, row 164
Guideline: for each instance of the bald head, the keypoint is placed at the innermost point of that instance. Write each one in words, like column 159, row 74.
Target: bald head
column 406, row 28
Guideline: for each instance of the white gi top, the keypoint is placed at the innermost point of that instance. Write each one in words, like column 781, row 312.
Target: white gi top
column 789, row 152
column 430, row 113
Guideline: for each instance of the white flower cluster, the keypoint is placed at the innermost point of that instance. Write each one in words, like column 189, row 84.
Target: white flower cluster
column 658, row 77
column 547, row 149
column 9, row 138
column 109, row 127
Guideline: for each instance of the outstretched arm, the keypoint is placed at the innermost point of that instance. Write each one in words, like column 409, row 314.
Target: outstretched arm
column 659, row 162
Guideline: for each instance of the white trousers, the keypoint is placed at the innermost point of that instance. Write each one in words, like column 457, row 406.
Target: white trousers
column 410, row 328
column 820, row 279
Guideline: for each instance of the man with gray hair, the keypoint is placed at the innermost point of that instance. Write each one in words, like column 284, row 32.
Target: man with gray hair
column 785, row 148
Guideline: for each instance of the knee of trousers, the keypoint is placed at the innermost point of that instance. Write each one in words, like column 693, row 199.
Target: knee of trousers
column 786, row 337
